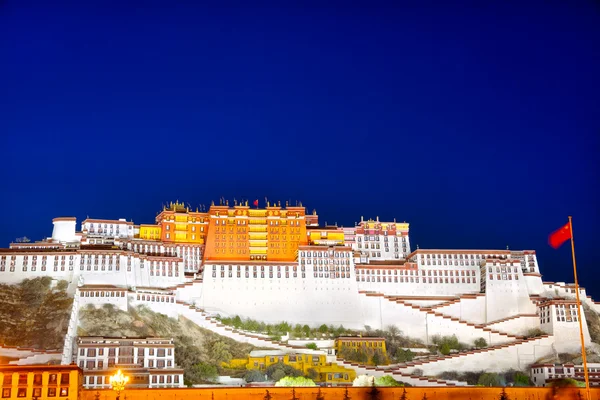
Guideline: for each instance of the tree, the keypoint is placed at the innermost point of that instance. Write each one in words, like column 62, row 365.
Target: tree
column 236, row 322
column 306, row 330
column 489, row 379
column 295, row 381
column 480, row 343
column 445, row 349
column 393, row 332
column 312, row 373
column 294, row 394
column 298, row 330
column 312, row 346
column 387, row 380
column 374, row 392
column 521, row 379
column 219, row 352
column 346, row 395
column 254, row 375
column 376, row 359
column 202, row 372
column 403, row 395
column 404, row 355
column 278, row 375
column 280, row 370
column 323, row 328
column 319, row 395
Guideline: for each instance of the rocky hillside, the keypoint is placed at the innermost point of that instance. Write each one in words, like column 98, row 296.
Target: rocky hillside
column 34, row 313
column 199, row 351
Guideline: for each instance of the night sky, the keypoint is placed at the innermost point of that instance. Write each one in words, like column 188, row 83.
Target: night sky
column 479, row 125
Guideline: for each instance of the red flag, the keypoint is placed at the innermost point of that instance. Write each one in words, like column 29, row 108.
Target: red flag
column 558, row 237
column 256, row 203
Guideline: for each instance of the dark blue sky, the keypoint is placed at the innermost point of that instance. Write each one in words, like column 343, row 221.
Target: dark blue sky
column 479, row 125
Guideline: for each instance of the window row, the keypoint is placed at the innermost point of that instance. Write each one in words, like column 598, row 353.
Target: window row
column 396, row 279
column 36, row 392
column 85, row 293
column 256, row 275
column 157, row 299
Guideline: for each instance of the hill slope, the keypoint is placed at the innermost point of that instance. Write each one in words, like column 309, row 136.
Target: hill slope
column 195, row 347
column 34, row 314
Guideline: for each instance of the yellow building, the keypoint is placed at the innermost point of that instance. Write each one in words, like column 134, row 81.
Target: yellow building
column 325, row 372
column 179, row 224
column 366, row 345
column 326, row 236
column 150, row 232
column 40, row 381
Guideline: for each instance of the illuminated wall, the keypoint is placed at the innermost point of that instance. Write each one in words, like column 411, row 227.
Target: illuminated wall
column 326, row 237
column 326, row 372
column 150, row 232
column 252, row 234
column 180, row 225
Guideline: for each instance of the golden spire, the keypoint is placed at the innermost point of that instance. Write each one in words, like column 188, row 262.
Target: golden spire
column 212, row 202
column 196, row 209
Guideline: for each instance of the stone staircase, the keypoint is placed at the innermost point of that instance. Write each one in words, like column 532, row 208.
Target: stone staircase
column 494, row 335
column 481, row 359
column 204, row 320
column 401, row 376
column 28, row 356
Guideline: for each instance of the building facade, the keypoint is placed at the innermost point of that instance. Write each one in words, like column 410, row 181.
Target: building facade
column 546, row 374
column 149, row 362
column 311, row 364
column 40, row 381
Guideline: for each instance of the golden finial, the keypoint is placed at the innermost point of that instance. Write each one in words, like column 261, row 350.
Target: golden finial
column 196, row 209
column 227, row 203
column 212, row 202
column 287, row 203
column 314, row 211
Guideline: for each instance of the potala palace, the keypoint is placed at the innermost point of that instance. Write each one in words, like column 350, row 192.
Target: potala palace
column 277, row 264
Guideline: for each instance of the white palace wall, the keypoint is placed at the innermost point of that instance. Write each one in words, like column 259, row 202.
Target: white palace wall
column 308, row 300
column 506, row 291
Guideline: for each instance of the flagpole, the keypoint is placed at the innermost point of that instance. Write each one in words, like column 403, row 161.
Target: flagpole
column 583, row 354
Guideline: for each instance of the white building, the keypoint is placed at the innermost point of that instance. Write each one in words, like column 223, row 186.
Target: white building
column 544, row 374
column 107, row 228
column 149, row 362
column 377, row 241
